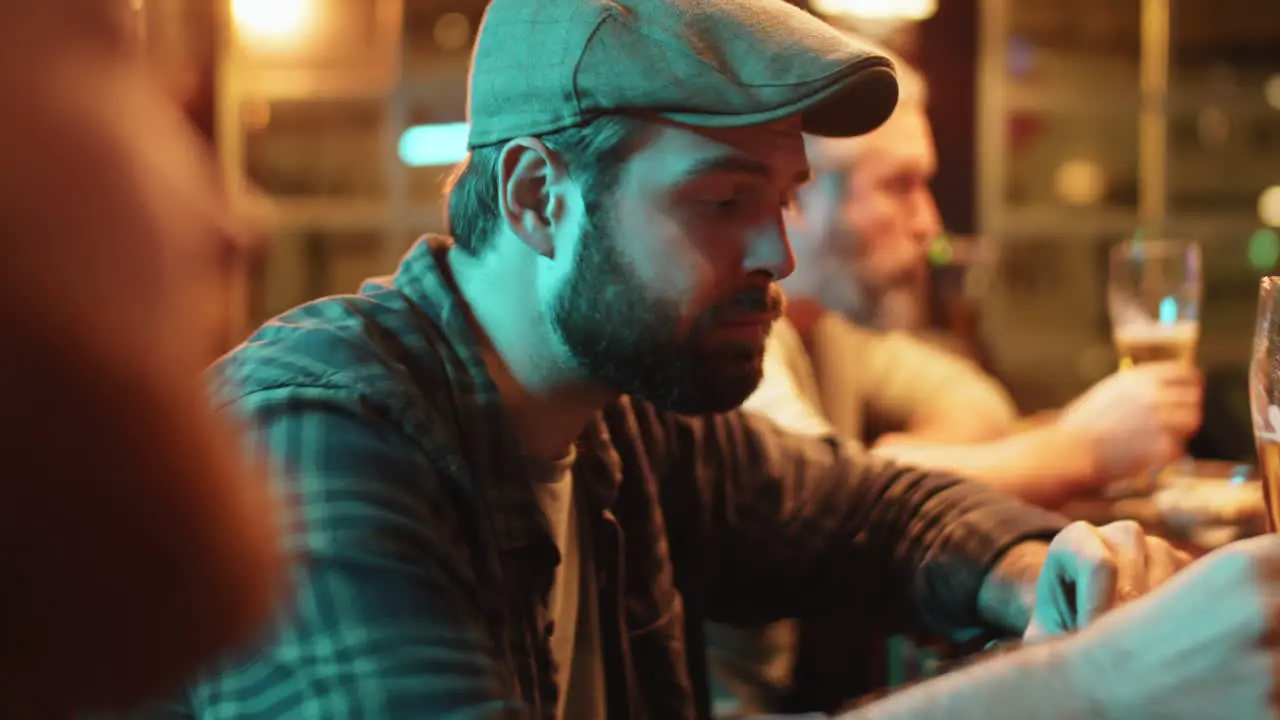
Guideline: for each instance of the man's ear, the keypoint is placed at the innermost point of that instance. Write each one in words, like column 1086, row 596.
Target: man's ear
column 531, row 186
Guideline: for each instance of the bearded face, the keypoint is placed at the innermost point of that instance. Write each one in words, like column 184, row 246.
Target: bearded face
column 621, row 334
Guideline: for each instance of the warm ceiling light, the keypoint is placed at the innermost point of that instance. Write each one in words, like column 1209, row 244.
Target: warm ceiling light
column 877, row 9
column 272, row 20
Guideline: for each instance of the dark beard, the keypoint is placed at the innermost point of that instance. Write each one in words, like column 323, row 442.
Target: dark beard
column 619, row 335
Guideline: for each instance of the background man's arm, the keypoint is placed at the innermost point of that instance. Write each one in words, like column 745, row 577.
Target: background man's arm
column 1042, row 465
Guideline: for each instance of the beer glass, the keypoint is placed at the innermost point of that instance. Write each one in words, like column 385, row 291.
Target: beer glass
column 1153, row 295
column 1264, row 394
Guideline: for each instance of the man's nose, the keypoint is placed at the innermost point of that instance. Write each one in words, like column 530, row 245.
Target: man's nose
column 770, row 251
column 926, row 221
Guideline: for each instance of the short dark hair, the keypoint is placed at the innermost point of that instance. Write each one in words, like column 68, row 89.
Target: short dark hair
column 593, row 152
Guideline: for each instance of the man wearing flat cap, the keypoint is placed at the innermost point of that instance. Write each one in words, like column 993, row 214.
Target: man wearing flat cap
column 521, row 480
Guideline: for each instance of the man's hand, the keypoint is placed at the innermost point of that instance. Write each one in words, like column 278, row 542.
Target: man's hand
column 1090, row 570
column 1136, row 419
column 1206, row 644
column 1065, row 585
column 1203, row 645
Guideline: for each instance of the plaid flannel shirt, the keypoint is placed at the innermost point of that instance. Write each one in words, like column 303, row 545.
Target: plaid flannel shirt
column 424, row 561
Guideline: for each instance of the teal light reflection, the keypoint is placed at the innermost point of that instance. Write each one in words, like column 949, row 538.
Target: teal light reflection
column 1168, row 310
column 431, row 145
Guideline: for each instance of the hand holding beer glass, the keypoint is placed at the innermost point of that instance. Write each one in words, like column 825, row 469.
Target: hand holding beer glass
column 1153, row 295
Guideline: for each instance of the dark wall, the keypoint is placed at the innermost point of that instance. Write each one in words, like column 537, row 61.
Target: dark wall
column 946, row 51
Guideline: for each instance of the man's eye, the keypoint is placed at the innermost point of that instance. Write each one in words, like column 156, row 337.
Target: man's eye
column 726, row 204
column 900, row 184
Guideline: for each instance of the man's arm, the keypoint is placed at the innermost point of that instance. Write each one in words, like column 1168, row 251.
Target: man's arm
column 1126, row 423
column 1045, row 465
column 386, row 619
column 1030, row 683
column 802, row 524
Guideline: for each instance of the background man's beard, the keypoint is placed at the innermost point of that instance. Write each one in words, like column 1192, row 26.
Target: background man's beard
column 620, row 336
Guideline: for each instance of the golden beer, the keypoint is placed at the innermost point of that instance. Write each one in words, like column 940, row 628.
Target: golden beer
column 1137, row 344
column 1269, row 462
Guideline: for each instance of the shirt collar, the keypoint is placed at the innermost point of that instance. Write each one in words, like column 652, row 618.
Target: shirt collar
column 488, row 439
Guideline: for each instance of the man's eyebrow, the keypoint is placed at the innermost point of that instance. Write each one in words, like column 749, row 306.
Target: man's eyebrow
column 740, row 165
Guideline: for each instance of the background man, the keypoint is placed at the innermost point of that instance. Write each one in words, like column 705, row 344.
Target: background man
column 860, row 231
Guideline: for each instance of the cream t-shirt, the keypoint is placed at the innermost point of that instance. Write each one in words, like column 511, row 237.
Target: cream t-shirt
column 573, row 603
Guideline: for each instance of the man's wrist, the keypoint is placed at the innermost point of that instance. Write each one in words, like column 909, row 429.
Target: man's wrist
column 1073, row 448
column 1007, row 597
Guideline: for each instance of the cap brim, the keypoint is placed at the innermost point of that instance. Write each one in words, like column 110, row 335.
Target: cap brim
column 854, row 107
column 855, row 102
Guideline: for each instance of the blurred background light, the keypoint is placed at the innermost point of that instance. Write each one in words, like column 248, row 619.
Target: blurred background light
column 1264, row 249
column 452, row 31
column 1214, row 127
column 1080, row 182
column 432, row 145
column 1269, row 206
column 272, row 21
column 913, row 10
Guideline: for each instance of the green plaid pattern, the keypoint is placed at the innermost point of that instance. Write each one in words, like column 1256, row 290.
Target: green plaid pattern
column 423, row 560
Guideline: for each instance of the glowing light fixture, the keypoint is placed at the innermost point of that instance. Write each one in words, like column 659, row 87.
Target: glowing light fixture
column 1080, row 182
column 434, row 145
column 910, row 10
column 272, row 21
column 1269, row 206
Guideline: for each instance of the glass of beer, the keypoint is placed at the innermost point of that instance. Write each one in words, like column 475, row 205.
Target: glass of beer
column 1153, row 295
column 1264, row 394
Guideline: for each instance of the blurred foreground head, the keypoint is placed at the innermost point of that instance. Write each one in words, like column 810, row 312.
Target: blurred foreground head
column 115, row 214
column 142, row 541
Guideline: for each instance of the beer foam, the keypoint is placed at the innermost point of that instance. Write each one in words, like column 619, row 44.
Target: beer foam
column 1181, row 330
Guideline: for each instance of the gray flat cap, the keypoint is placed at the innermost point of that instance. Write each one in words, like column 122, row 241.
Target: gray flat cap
column 544, row 65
